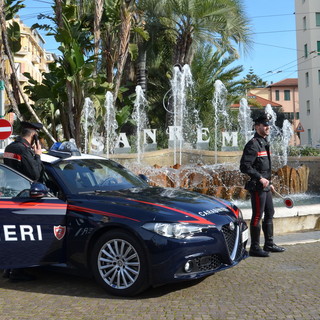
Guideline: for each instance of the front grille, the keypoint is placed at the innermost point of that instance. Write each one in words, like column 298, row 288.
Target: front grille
column 208, row 263
column 230, row 237
column 239, row 251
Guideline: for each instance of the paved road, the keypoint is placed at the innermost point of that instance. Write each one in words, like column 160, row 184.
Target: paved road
column 283, row 286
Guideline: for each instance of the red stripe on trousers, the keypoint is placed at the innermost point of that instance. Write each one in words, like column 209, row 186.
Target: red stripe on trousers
column 257, row 214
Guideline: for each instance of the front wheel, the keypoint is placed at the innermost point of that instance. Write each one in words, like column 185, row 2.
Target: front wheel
column 119, row 264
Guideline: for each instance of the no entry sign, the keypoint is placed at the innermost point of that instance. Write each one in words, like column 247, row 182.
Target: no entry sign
column 5, row 129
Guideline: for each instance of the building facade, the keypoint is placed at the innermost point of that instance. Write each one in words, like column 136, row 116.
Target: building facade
column 32, row 57
column 307, row 14
column 284, row 96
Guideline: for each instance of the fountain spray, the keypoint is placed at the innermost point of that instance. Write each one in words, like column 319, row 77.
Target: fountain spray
column 140, row 117
column 110, row 123
column 89, row 115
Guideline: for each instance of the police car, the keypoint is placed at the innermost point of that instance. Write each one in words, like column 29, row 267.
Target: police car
column 93, row 214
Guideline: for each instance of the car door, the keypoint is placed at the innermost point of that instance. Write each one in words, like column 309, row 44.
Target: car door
column 32, row 229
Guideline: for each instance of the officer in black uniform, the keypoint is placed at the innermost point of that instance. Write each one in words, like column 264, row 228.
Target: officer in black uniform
column 24, row 153
column 256, row 162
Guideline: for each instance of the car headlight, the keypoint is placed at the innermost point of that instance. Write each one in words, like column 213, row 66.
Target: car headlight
column 176, row 230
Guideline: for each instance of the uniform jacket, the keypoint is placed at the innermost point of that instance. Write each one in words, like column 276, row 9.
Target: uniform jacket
column 255, row 160
column 20, row 156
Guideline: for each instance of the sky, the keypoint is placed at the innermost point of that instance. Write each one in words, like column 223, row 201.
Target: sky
column 273, row 55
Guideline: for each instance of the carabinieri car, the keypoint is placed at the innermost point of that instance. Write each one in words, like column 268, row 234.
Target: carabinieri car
column 94, row 214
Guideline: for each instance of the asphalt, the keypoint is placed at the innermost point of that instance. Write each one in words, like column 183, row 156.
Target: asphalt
column 282, row 286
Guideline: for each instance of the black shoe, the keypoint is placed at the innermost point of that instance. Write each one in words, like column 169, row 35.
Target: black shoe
column 17, row 275
column 258, row 253
column 273, row 248
column 6, row 273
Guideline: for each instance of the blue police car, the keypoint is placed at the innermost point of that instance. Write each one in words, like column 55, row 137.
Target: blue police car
column 91, row 213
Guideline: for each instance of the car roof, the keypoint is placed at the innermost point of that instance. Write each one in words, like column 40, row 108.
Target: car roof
column 48, row 158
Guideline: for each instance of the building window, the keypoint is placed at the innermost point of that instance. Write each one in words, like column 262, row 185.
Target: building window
column 308, row 107
column 318, row 76
column 297, row 115
column 318, row 47
column 318, row 19
column 278, row 94
column 307, row 79
column 287, row 95
column 306, row 51
column 304, row 22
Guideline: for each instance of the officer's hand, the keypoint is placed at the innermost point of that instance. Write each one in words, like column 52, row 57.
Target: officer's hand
column 264, row 182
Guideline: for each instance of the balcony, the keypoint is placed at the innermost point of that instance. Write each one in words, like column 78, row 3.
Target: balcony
column 35, row 59
column 23, row 51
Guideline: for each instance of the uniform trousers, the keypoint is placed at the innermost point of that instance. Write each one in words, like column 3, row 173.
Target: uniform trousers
column 262, row 203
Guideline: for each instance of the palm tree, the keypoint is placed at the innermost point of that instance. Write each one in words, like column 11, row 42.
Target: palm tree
column 193, row 22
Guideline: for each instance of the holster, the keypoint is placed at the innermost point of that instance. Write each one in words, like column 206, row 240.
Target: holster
column 251, row 185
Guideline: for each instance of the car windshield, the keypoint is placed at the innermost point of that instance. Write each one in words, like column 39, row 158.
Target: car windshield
column 83, row 175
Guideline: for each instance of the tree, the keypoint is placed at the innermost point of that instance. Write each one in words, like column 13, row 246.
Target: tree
column 254, row 81
column 196, row 22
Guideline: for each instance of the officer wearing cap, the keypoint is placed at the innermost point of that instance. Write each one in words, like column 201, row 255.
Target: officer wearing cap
column 256, row 163
column 24, row 153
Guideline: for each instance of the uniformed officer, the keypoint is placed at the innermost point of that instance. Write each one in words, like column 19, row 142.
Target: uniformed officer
column 256, row 162
column 24, row 153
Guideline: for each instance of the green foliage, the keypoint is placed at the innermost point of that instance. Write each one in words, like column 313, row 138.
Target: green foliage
column 12, row 7
column 14, row 38
column 304, row 151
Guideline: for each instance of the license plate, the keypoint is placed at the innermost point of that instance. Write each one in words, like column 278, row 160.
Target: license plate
column 245, row 235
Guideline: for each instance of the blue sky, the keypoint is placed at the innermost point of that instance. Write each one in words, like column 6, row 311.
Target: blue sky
column 273, row 56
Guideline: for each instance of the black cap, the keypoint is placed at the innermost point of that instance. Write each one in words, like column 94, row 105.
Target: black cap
column 264, row 119
column 31, row 125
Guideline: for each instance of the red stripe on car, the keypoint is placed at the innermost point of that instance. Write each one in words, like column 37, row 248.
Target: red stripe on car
column 198, row 219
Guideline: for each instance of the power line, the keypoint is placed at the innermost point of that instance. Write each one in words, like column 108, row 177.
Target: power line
column 298, row 63
column 281, row 15
column 272, row 45
column 272, row 15
column 281, row 31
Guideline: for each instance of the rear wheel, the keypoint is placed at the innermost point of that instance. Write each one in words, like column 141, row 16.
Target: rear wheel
column 119, row 264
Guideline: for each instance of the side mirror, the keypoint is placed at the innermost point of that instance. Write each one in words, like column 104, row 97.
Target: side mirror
column 144, row 177
column 38, row 190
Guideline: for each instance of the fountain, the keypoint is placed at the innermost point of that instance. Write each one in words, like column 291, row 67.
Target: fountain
column 245, row 120
column 186, row 119
column 226, row 181
column 223, row 180
column 221, row 116
column 140, row 117
column 88, row 120
column 110, row 123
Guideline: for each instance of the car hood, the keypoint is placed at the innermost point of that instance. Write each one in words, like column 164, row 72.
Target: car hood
column 166, row 204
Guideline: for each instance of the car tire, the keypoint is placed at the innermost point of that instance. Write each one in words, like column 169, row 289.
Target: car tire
column 118, row 263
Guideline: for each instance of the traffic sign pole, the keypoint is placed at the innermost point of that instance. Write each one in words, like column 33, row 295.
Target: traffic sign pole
column 1, row 106
column 1, row 98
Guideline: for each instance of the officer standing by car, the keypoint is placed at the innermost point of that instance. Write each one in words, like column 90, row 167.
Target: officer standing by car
column 256, row 163
column 23, row 155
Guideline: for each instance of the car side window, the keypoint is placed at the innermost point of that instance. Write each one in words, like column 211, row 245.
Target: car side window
column 11, row 183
